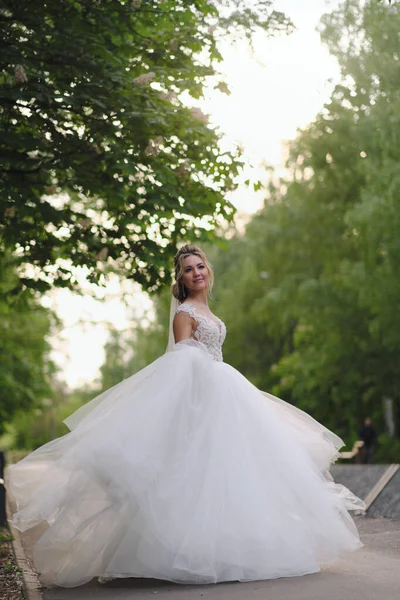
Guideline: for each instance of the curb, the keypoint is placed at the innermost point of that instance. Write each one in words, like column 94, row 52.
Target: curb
column 32, row 586
column 380, row 485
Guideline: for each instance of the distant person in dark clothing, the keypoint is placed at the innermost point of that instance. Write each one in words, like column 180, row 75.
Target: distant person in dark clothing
column 368, row 435
column 2, row 464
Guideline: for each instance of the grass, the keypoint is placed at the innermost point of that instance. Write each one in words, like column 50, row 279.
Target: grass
column 6, row 537
column 11, row 582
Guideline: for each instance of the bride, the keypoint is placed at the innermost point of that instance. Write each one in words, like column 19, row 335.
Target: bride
column 185, row 471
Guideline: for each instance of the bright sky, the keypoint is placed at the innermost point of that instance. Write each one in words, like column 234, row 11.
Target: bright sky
column 277, row 90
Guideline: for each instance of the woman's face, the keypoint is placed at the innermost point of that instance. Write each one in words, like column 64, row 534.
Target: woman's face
column 195, row 273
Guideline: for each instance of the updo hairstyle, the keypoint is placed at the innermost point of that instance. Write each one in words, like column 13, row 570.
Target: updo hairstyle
column 178, row 289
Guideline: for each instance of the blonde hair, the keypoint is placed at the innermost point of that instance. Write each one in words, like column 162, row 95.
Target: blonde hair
column 178, row 289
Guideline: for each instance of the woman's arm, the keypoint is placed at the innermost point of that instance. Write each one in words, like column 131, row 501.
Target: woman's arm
column 183, row 326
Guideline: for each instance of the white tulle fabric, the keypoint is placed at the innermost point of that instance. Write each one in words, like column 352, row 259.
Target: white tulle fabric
column 185, row 472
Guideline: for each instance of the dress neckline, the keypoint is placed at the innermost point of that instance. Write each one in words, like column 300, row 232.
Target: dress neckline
column 217, row 321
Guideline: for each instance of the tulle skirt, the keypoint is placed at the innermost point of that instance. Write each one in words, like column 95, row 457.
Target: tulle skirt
column 185, row 472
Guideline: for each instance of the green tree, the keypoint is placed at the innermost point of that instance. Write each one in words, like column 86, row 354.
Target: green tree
column 100, row 158
column 129, row 351
column 25, row 368
column 117, row 358
column 372, row 74
column 42, row 423
column 317, row 270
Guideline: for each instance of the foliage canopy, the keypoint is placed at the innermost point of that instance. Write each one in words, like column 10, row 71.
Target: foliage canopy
column 100, row 157
column 25, row 367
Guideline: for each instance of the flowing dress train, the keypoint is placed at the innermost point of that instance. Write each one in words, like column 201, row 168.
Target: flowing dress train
column 185, row 472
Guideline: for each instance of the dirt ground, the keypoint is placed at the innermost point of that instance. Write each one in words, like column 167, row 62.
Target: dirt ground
column 11, row 587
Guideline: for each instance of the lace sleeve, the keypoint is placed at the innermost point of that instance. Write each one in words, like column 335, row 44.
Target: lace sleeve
column 187, row 309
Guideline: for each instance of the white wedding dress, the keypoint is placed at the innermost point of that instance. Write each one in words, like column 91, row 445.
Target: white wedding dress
column 185, row 472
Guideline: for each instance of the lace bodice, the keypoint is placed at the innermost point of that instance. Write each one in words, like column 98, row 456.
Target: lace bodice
column 210, row 332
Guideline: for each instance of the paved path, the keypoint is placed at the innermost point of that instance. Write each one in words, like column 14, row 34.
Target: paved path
column 360, row 479
column 372, row 573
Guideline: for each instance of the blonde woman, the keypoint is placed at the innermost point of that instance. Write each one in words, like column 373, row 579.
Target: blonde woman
column 185, row 471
